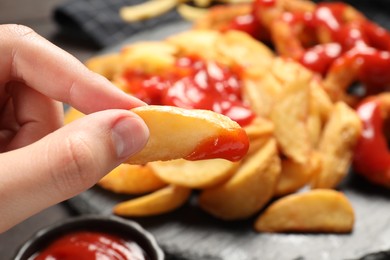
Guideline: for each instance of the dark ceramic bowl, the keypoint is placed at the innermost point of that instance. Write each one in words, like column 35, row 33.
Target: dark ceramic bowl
column 108, row 224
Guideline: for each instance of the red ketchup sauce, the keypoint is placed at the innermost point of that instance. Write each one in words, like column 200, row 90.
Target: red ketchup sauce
column 85, row 245
column 320, row 57
column 223, row 147
column 245, row 23
column 372, row 156
column 193, row 84
column 362, row 41
column 360, row 35
column 250, row 23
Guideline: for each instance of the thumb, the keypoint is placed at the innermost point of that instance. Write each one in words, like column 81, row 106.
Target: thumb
column 66, row 162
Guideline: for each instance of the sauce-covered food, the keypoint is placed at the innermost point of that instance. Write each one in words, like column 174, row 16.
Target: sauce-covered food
column 193, row 134
column 372, row 155
column 193, row 83
column 89, row 245
column 330, row 38
column 301, row 130
column 348, row 53
column 226, row 146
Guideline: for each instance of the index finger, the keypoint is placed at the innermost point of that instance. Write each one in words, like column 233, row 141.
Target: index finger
column 28, row 57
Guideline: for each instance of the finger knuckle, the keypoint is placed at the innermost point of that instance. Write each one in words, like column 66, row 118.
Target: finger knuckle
column 78, row 170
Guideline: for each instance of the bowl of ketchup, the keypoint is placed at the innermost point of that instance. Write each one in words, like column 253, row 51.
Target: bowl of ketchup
column 91, row 238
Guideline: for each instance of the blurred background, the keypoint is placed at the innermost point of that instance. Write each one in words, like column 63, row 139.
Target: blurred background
column 80, row 27
column 38, row 15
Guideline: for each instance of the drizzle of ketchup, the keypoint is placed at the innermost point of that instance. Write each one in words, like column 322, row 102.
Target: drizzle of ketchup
column 250, row 23
column 86, row 245
column 377, row 36
column 223, row 147
column 245, row 23
column 362, row 41
column 193, row 83
column 264, row 3
column 329, row 15
column 360, row 35
column 320, row 57
column 372, row 156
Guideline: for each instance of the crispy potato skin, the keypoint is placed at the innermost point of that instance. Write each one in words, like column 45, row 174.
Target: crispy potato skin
column 159, row 202
column 251, row 187
column 132, row 179
column 322, row 210
column 177, row 133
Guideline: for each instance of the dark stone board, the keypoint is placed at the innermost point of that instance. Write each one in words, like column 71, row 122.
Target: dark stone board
column 189, row 233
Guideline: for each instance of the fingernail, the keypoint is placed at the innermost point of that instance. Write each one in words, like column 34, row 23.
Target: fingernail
column 129, row 136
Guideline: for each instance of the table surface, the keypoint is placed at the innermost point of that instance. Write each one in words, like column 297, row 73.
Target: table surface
column 37, row 14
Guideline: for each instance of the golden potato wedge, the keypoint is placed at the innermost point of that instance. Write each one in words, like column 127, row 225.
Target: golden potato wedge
column 258, row 128
column 321, row 210
column 284, row 38
column 259, row 132
column 159, row 202
column 131, row 179
column 194, row 174
column 243, row 50
column 72, row 114
column 202, row 43
column 250, row 188
column 319, row 96
column 319, row 111
column 190, row 134
column 287, row 70
column 339, row 78
column 336, row 146
column 289, row 115
column 295, row 176
column 106, row 65
column 314, row 123
column 261, row 93
column 149, row 56
column 256, row 144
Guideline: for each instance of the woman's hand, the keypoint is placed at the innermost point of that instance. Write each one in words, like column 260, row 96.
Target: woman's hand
column 41, row 163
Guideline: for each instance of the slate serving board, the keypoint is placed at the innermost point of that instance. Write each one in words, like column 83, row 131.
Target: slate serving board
column 189, row 233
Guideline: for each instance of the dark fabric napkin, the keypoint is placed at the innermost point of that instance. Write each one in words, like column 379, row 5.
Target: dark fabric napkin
column 99, row 20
